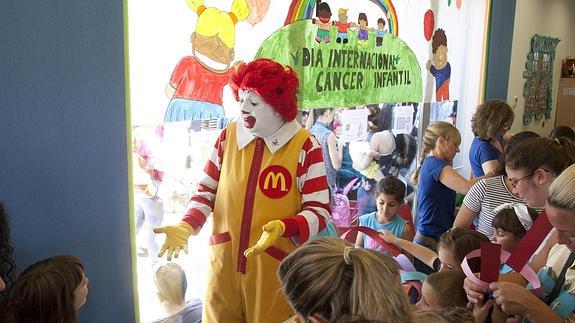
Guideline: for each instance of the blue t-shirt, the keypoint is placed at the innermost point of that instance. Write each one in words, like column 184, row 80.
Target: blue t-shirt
column 435, row 201
column 322, row 132
column 441, row 75
column 480, row 152
column 369, row 220
column 192, row 313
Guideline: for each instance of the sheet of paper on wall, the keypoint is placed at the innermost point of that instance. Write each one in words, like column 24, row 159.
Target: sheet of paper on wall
column 353, row 125
column 402, row 119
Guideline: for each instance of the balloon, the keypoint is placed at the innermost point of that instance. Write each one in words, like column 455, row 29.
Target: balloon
column 258, row 10
column 428, row 24
column 458, row 4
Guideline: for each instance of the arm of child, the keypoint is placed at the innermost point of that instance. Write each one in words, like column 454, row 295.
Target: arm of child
column 359, row 240
column 408, row 236
column 335, row 151
column 490, row 166
column 464, row 217
column 420, row 252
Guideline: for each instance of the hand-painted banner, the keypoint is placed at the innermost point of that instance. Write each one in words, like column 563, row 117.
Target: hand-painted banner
column 343, row 75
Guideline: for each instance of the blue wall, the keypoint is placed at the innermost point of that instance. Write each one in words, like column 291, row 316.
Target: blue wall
column 63, row 167
column 500, row 43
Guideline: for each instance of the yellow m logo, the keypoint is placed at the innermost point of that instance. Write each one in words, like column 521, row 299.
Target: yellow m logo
column 275, row 178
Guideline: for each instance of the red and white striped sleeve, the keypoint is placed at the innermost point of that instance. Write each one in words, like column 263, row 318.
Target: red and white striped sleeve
column 312, row 184
column 201, row 203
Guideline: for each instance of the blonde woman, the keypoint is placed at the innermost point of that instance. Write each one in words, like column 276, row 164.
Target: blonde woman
column 437, row 183
column 328, row 280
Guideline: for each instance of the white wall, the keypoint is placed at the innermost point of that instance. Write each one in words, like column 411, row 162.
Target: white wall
column 548, row 18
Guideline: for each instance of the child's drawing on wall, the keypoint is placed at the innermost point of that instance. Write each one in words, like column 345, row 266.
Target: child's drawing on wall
column 196, row 85
column 380, row 32
column 342, row 26
column 440, row 68
column 362, row 32
column 323, row 13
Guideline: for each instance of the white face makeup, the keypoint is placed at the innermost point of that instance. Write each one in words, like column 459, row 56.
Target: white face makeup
column 259, row 118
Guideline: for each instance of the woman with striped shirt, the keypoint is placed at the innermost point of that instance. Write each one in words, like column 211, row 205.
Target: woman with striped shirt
column 489, row 193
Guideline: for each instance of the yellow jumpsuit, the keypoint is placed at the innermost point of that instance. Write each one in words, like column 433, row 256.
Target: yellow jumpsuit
column 255, row 187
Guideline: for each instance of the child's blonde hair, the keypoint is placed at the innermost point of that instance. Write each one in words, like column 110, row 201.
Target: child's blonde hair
column 433, row 131
column 329, row 277
column 171, row 283
column 212, row 21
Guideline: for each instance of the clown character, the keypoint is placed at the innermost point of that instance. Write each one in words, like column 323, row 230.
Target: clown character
column 380, row 32
column 197, row 82
column 342, row 26
column 362, row 37
column 440, row 68
column 265, row 173
column 323, row 13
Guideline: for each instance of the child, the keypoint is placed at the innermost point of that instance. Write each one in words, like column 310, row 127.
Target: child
column 441, row 290
column 323, row 12
column 51, row 290
column 328, row 280
column 389, row 195
column 380, row 32
column 440, row 68
column 453, row 246
column 511, row 223
column 362, row 36
column 171, row 283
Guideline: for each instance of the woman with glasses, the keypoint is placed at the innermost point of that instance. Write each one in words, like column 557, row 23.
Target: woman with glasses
column 557, row 302
column 534, row 164
column 489, row 124
column 489, row 193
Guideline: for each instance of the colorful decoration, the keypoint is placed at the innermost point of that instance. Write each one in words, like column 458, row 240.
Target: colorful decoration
column 258, row 10
column 440, row 67
column 344, row 75
column 538, row 77
column 428, row 24
column 196, row 85
column 304, row 9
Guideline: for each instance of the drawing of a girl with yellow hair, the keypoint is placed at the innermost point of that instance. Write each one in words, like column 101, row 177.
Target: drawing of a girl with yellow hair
column 197, row 82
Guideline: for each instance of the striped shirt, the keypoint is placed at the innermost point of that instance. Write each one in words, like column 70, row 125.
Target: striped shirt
column 486, row 195
column 311, row 180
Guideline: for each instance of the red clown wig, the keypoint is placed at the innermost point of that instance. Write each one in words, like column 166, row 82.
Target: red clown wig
column 276, row 84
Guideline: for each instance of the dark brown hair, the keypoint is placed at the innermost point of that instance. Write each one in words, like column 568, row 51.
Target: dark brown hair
column 515, row 140
column 507, row 220
column 362, row 16
column 393, row 186
column 449, row 286
column 562, row 131
column 44, row 292
column 553, row 154
column 439, row 39
column 462, row 242
column 489, row 117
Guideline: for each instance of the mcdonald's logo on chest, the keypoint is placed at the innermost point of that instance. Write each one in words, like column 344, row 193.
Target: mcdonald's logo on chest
column 275, row 181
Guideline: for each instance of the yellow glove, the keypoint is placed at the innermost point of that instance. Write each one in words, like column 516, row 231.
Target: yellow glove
column 176, row 238
column 273, row 230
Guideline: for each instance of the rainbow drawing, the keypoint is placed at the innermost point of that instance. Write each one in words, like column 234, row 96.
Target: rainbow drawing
column 304, row 9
